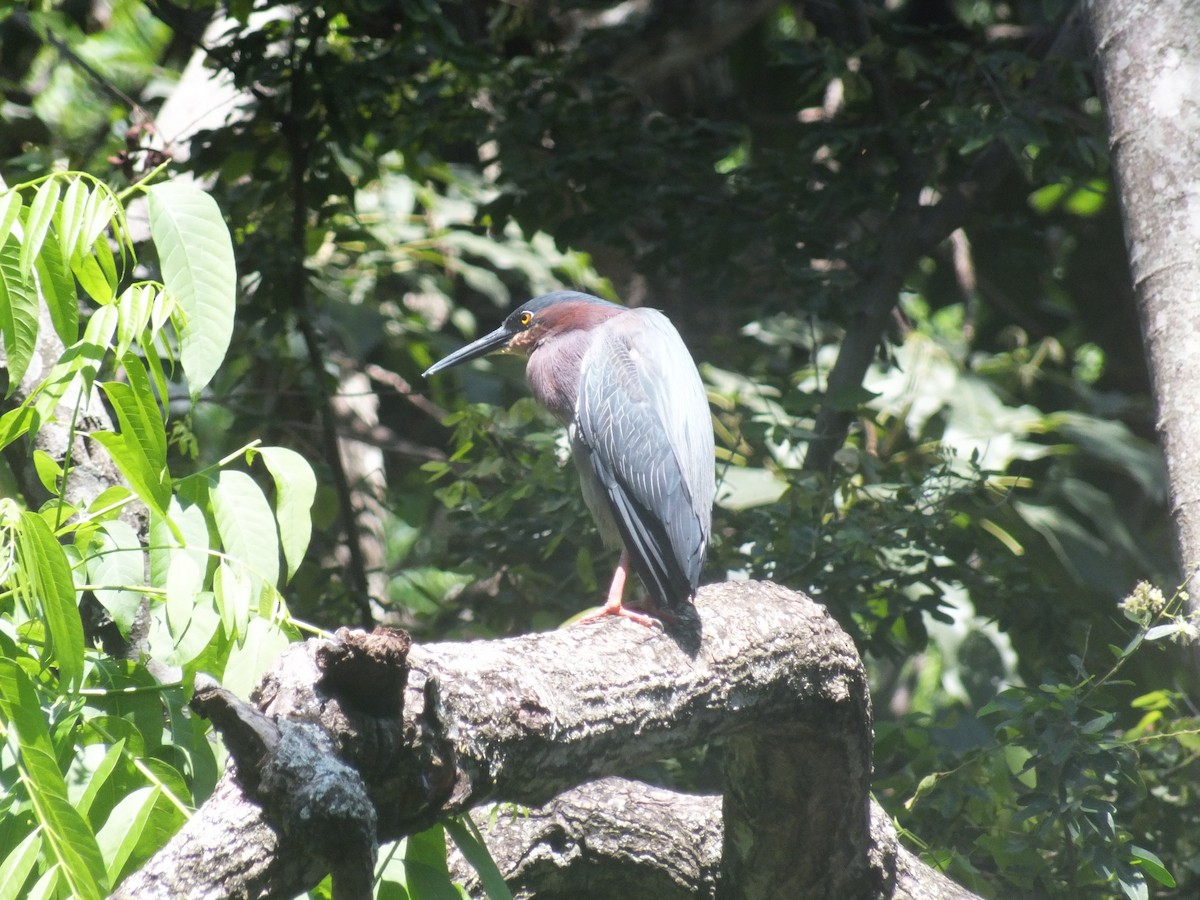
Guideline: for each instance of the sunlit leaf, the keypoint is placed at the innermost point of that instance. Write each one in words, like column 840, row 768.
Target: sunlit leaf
column 18, row 865
column 37, row 223
column 99, row 776
column 58, row 291
column 470, row 842
column 295, row 488
column 745, row 488
column 426, row 873
column 67, row 836
column 1152, row 866
column 18, row 314
column 97, row 215
column 95, row 279
column 69, row 218
column 117, row 563
column 46, row 887
column 140, row 450
column 196, row 256
column 48, row 471
column 1168, row 629
column 44, row 561
column 123, row 829
column 234, row 591
column 101, row 251
column 182, row 628
column 182, row 529
column 10, row 210
column 248, row 661
column 246, row 524
column 134, row 307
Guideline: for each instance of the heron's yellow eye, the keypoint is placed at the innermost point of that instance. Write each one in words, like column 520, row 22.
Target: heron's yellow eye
column 525, row 318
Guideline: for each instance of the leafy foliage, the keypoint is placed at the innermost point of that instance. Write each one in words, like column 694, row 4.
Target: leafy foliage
column 101, row 763
column 394, row 179
column 1048, row 795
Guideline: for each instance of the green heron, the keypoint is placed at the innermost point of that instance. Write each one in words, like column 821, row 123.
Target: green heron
column 637, row 416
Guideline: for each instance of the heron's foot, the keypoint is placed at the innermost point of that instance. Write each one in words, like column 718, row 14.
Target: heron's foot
column 617, row 609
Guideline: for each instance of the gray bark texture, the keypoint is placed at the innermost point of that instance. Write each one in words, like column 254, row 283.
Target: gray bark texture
column 1148, row 63
column 618, row 838
column 365, row 738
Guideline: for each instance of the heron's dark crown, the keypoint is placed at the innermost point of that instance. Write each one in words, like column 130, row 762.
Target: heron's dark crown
column 550, row 315
column 577, row 306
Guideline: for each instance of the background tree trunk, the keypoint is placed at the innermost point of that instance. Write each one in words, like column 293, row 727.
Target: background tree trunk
column 1148, row 63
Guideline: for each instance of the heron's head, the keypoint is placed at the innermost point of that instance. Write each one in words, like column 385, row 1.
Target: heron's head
column 540, row 320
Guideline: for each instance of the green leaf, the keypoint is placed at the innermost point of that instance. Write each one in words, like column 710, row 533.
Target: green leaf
column 137, row 409
column 70, row 218
column 185, row 580
column 124, row 828
column 46, row 887
column 463, row 832
column 427, row 875
column 18, row 314
column 10, row 210
column 37, row 223
column 17, row 422
column 1151, row 865
column 295, row 489
column 390, row 874
column 264, row 642
column 133, row 466
column 181, row 629
column 134, row 306
column 93, row 277
column 175, row 790
column 116, row 563
column 97, row 213
column 102, row 253
column 18, row 865
column 196, row 256
column 246, row 524
column 48, row 471
column 68, row 837
column 49, row 576
column 234, row 591
column 140, row 450
column 58, row 291
column 108, row 503
column 99, row 776
column 98, row 333
column 183, row 529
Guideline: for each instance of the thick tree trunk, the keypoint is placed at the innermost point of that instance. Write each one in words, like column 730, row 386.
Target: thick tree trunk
column 426, row 731
column 1148, row 62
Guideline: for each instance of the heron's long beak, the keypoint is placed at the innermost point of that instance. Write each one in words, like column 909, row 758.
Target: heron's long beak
column 489, row 343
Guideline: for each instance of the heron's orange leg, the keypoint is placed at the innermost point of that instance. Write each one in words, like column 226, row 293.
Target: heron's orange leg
column 616, row 591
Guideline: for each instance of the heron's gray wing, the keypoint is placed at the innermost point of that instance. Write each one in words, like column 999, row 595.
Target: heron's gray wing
column 643, row 428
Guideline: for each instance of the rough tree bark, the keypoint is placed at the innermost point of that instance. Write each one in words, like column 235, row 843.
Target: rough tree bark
column 364, row 739
column 618, row 838
column 1148, row 63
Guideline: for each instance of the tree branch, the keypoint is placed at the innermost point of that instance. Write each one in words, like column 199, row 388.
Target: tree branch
column 619, row 838
column 439, row 729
